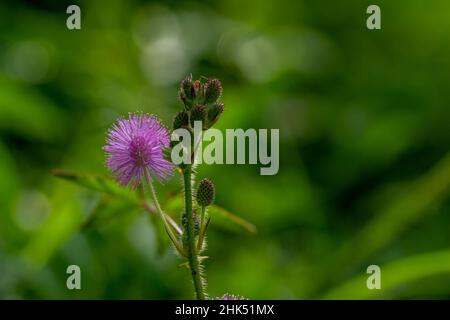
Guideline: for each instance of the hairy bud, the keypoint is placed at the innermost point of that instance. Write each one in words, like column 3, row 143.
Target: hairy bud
column 214, row 113
column 187, row 91
column 198, row 113
column 180, row 120
column 205, row 193
column 187, row 86
column 213, row 90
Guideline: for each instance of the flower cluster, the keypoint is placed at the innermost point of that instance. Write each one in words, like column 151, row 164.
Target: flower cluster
column 201, row 103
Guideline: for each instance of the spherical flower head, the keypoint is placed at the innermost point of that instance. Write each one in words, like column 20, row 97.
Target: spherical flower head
column 135, row 149
column 205, row 193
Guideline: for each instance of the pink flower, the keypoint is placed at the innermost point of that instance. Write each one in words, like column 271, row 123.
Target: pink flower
column 135, row 149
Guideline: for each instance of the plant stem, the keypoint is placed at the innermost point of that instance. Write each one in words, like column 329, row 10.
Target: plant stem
column 190, row 236
column 202, row 225
column 151, row 209
column 172, row 236
column 202, row 217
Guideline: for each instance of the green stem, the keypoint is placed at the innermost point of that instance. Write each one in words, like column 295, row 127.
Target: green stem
column 202, row 217
column 172, row 236
column 201, row 232
column 190, row 236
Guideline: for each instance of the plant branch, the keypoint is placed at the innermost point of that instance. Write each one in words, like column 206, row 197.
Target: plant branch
column 192, row 253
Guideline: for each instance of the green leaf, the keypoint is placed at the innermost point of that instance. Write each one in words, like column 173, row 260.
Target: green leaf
column 98, row 183
column 230, row 220
column 220, row 216
column 110, row 188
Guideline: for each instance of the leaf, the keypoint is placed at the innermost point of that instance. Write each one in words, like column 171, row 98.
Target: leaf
column 109, row 187
column 230, row 220
column 394, row 274
column 98, row 183
column 220, row 216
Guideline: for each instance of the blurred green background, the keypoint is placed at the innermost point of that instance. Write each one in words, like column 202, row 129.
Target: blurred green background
column 364, row 152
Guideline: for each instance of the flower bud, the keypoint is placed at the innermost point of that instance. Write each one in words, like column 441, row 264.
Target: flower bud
column 187, row 91
column 180, row 120
column 182, row 96
column 198, row 113
column 187, row 86
column 205, row 193
column 197, row 89
column 213, row 90
column 214, row 113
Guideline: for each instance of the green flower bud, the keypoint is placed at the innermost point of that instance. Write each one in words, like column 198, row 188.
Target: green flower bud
column 187, row 86
column 213, row 90
column 180, row 120
column 205, row 193
column 198, row 113
column 187, row 91
column 214, row 113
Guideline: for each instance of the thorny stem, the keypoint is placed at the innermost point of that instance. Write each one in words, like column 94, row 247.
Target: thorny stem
column 192, row 253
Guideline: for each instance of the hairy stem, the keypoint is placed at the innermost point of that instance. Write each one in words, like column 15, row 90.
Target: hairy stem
column 192, row 253
column 172, row 236
column 202, row 231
